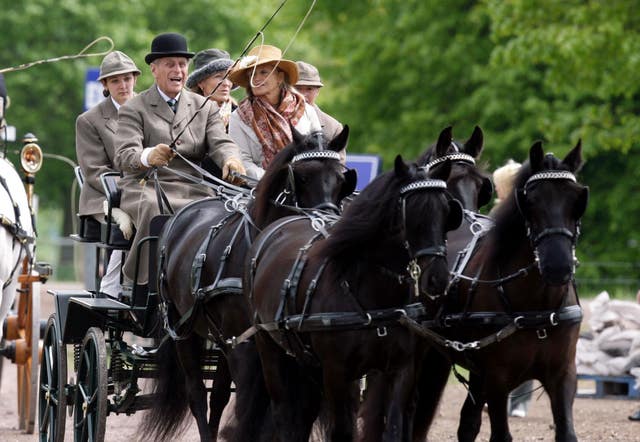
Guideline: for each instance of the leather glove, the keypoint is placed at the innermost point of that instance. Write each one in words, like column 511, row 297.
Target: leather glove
column 233, row 164
column 160, row 155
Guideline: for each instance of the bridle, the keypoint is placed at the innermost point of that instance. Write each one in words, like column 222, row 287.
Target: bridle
column 288, row 196
column 537, row 237
column 436, row 251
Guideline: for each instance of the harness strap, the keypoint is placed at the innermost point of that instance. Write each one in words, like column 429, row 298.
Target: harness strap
column 442, row 341
column 512, row 323
column 338, row 321
column 525, row 320
column 479, row 226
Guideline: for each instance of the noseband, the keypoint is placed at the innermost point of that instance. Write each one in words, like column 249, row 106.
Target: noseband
column 290, row 187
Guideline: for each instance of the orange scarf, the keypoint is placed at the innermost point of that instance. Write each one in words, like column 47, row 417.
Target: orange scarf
column 272, row 126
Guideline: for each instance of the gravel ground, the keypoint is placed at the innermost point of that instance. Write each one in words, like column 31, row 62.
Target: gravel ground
column 595, row 419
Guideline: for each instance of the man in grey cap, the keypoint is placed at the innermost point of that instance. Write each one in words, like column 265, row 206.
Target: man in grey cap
column 309, row 85
column 148, row 124
column 95, row 131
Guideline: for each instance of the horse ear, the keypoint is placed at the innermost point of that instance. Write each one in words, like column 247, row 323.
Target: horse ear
column 400, row 168
column 486, row 192
column 340, row 141
column 297, row 137
column 350, row 182
column 455, row 215
column 444, row 141
column 536, row 156
column 573, row 160
column 474, row 144
column 441, row 171
column 581, row 204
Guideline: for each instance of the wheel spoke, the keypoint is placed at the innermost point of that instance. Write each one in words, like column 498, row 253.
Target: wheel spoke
column 45, row 422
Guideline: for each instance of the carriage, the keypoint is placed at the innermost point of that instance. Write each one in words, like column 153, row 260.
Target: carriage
column 111, row 338
column 21, row 274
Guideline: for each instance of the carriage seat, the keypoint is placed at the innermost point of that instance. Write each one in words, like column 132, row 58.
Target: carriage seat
column 110, row 232
column 88, row 226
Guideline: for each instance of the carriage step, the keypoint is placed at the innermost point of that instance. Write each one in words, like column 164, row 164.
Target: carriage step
column 610, row 387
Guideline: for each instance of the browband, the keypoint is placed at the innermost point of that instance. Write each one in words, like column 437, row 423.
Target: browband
column 423, row 184
column 551, row 175
column 453, row 157
column 317, row 155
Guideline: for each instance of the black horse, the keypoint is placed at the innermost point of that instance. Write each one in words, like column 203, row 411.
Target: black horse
column 469, row 184
column 512, row 312
column 333, row 300
column 202, row 253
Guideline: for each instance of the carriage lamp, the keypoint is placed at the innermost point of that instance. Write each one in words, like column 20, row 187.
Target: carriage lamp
column 31, row 154
column 31, row 161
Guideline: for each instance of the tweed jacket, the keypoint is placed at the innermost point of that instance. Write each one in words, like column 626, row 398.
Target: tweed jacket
column 95, row 132
column 145, row 121
column 250, row 146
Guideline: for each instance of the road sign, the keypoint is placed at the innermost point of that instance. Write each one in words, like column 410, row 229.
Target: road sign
column 92, row 88
column 367, row 166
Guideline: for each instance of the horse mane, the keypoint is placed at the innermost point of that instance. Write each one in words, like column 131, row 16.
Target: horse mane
column 509, row 226
column 370, row 215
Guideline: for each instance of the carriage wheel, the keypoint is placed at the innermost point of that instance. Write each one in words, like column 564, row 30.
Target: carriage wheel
column 90, row 404
column 28, row 349
column 53, row 378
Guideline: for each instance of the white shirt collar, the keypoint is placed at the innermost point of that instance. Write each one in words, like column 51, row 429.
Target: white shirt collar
column 165, row 97
column 115, row 103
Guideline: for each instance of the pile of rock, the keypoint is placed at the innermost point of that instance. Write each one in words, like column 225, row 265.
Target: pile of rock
column 612, row 346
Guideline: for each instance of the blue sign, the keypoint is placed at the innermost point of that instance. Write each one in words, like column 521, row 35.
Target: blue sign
column 367, row 166
column 92, row 88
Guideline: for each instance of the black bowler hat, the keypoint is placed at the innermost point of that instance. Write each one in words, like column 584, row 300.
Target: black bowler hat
column 168, row 45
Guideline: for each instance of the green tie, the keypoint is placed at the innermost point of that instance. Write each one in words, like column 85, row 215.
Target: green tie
column 172, row 104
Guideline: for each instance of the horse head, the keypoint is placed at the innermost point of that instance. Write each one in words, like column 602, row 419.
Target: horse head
column 308, row 174
column 552, row 202
column 427, row 214
column 466, row 182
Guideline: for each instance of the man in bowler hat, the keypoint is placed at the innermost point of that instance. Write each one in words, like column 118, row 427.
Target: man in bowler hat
column 148, row 123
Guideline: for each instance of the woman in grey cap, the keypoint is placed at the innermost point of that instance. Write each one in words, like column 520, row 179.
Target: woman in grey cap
column 95, row 130
column 211, row 66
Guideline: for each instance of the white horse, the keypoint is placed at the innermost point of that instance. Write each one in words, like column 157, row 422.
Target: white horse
column 12, row 230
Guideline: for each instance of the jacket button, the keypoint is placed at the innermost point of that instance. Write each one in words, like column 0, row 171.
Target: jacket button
column 178, row 142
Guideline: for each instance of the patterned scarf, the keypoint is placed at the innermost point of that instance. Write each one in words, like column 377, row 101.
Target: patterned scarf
column 271, row 125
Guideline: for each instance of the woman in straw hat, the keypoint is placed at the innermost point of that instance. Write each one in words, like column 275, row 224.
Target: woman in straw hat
column 95, row 147
column 261, row 126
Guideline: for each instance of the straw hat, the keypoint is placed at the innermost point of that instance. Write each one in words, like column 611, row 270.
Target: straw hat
column 207, row 63
column 116, row 63
column 309, row 75
column 262, row 55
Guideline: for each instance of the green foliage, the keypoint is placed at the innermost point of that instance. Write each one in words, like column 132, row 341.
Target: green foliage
column 396, row 71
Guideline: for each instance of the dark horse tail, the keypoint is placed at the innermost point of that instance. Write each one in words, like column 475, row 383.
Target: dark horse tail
column 170, row 408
